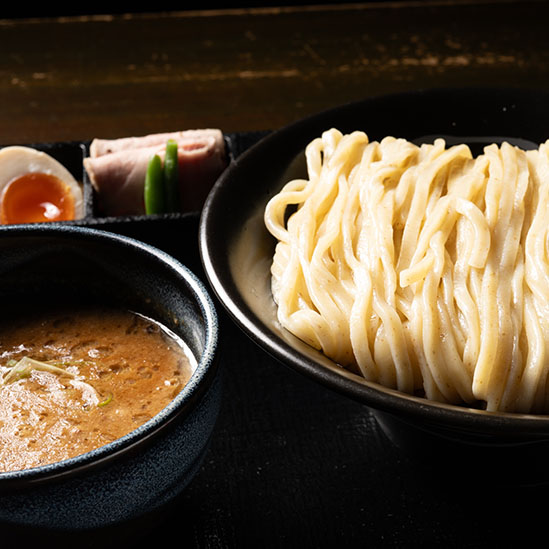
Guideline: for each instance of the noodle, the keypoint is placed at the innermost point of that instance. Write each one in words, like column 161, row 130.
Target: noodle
column 421, row 268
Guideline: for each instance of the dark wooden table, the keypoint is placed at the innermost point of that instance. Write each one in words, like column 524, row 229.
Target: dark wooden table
column 291, row 464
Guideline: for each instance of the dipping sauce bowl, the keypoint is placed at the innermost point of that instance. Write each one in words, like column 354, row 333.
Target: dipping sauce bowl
column 145, row 469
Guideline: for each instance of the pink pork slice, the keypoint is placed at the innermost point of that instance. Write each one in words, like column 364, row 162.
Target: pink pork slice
column 117, row 168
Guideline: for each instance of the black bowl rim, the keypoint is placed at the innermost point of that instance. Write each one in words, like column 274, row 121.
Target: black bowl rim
column 373, row 395
column 180, row 406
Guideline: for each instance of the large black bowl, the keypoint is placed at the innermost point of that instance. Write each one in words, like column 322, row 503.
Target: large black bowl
column 236, row 251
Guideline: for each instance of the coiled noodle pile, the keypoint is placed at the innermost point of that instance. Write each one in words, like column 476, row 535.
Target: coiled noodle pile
column 421, row 268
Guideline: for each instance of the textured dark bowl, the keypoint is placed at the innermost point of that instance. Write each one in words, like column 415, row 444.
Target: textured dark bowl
column 145, row 469
column 237, row 266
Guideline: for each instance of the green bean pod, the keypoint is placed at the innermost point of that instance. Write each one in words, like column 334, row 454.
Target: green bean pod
column 154, row 187
column 171, row 177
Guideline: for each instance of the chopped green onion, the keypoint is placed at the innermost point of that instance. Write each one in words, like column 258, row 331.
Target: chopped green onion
column 26, row 365
column 171, row 178
column 154, row 187
column 105, row 401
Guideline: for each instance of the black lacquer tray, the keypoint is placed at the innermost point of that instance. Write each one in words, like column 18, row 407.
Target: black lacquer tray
column 175, row 233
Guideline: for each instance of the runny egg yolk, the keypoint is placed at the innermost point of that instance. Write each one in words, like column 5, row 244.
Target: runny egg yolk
column 36, row 197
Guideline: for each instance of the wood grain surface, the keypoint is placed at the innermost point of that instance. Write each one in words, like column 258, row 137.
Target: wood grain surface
column 75, row 78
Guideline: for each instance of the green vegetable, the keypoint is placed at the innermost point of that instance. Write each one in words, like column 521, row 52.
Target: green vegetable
column 171, row 177
column 154, row 187
column 24, row 368
column 26, row 365
column 105, row 401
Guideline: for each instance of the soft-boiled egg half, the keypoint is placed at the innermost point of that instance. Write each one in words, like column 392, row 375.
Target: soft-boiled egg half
column 35, row 187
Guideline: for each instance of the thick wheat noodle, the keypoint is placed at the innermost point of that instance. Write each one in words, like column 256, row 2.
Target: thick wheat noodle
column 420, row 267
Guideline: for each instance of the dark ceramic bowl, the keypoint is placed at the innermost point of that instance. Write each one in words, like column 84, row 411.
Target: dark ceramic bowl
column 145, row 469
column 238, row 266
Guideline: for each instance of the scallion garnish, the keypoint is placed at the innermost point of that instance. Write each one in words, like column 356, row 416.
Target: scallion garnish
column 24, row 367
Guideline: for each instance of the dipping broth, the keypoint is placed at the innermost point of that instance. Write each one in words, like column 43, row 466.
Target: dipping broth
column 73, row 381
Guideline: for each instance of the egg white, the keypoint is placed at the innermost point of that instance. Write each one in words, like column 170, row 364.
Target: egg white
column 17, row 160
